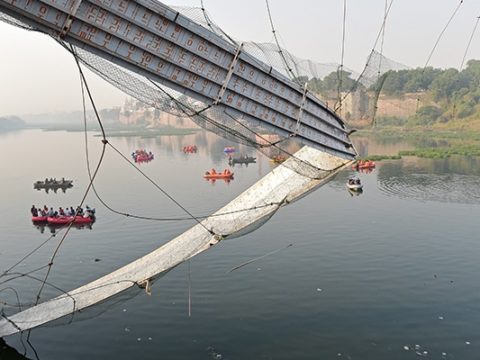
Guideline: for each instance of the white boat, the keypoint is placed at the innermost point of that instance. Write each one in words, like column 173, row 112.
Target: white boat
column 354, row 184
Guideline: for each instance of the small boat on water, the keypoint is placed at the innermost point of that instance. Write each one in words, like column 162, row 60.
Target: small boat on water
column 229, row 149
column 61, row 220
column 53, row 184
column 245, row 159
column 278, row 159
column 354, row 184
column 363, row 164
column 212, row 175
column 142, row 156
column 190, row 149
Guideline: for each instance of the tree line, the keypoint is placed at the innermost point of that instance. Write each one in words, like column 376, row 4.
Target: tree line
column 450, row 93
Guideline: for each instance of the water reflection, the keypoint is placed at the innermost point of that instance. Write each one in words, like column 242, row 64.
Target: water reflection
column 53, row 228
column 446, row 180
column 9, row 353
column 55, row 189
column 355, row 193
column 213, row 181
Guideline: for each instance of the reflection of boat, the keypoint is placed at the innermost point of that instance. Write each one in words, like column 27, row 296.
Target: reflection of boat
column 363, row 165
column 354, row 184
column 229, row 149
column 53, row 184
column 41, row 225
column 355, row 192
column 242, row 160
column 227, row 174
column 61, row 220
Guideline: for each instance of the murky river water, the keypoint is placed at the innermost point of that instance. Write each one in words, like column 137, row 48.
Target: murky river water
column 388, row 274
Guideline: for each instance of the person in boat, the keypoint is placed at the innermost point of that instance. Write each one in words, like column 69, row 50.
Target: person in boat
column 79, row 211
column 50, row 212
column 72, row 212
column 61, row 211
column 212, row 172
column 34, row 211
column 90, row 210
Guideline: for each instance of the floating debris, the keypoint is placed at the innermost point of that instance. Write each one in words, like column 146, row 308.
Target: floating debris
column 214, row 354
column 467, row 342
column 440, row 318
column 419, row 353
column 318, row 289
column 406, row 348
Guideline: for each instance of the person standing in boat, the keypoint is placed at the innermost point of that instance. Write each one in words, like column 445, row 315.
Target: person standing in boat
column 34, row 211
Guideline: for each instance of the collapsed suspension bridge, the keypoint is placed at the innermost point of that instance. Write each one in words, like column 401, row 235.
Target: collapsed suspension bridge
column 158, row 55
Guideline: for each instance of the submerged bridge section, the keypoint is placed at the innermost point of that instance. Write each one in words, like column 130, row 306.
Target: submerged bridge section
column 156, row 41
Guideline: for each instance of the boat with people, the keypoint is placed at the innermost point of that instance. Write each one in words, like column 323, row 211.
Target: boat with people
column 213, row 174
column 278, row 159
column 354, row 184
column 62, row 216
column 142, row 155
column 190, row 149
column 229, row 149
column 52, row 183
column 244, row 159
column 363, row 165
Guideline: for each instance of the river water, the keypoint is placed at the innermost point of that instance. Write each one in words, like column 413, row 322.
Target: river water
column 387, row 274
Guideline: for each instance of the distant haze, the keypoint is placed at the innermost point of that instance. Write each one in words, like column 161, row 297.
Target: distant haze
column 38, row 76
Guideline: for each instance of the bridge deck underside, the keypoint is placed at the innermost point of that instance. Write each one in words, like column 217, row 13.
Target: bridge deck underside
column 153, row 40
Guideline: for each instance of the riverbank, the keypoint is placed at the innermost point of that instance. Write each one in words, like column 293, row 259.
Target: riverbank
column 423, row 142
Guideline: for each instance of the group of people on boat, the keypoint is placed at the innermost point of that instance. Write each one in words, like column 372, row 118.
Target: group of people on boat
column 53, row 182
column 190, row 149
column 363, row 164
column 354, row 181
column 279, row 158
column 61, row 212
column 142, row 155
column 214, row 174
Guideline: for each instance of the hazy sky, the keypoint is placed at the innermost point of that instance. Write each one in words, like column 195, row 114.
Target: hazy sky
column 37, row 75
